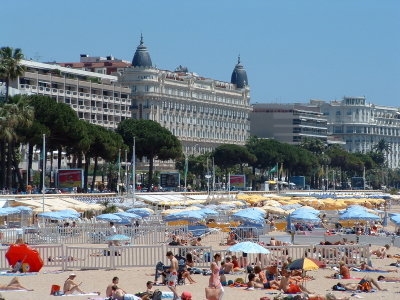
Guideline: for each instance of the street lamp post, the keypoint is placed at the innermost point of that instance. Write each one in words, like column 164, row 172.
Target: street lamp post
column 208, row 176
column 133, row 169
column 43, row 169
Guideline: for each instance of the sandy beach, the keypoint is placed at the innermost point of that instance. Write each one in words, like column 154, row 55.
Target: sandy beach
column 134, row 280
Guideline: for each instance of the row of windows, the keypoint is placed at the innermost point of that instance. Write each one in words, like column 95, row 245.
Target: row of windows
column 200, row 121
column 203, row 109
column 184, row 93
column 208, row 134
column 308, row 130
column 367, row 130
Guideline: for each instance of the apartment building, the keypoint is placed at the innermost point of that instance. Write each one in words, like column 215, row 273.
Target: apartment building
column 96, row 97
column 288, row 123
column 361, row 125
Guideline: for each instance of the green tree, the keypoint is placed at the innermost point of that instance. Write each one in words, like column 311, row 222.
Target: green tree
column 13, row 115
column 10, row 66
column 228, row 155
column 152, row 141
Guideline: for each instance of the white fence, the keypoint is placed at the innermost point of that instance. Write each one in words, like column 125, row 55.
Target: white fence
column 68, row 257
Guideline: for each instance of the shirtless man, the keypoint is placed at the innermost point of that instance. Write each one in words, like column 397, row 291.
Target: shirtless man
column 70, row 287
column 119, row 294
column 289, row 288
column 115, row 281
column 228, row 266
column 172, row 276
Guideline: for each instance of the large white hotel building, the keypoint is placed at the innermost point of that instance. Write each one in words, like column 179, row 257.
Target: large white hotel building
column 203, row 113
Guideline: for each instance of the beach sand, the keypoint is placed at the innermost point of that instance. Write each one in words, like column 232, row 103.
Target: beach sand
column 134, row 280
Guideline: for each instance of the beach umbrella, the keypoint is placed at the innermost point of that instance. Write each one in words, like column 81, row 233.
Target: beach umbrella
column 357, row 214
column 109, row 218
column 305, row 264
column 24, row 209
column 52, row 215
column 188, row 215
column 144, row 212
column 249, row 215
column 26, row 255
column 128, row 215
column 395, row 219
column 304, row 216
column 118, row 237
column 248, row 247
column 208, row 212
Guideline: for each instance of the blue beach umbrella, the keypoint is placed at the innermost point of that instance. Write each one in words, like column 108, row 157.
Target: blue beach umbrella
column 52, row 215
column 141, row 211
column 118, row 237
column 188, row 215
column 358, row 215
column 249, row 216
column 128, row 215
column 395, row 218
column 248, row 247
column 109, row 218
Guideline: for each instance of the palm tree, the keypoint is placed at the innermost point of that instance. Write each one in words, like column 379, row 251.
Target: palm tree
column 383, row 147
column 10, row 66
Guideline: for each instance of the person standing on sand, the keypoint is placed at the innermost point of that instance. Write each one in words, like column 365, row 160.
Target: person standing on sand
column 172, row 276
column 215, row 281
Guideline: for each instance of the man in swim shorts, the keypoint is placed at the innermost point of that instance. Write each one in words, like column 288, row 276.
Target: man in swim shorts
column 172, row 276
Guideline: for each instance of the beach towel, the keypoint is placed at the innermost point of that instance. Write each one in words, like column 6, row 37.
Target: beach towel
column 75, row 295
column 5, row 273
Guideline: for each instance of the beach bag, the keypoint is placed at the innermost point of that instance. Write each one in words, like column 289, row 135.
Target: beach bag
column 212, row 293
column 157, row 295
column 338, row 287
column 364, row 286
column 54, row 289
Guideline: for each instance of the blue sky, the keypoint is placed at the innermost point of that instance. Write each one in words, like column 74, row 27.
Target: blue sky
column 293, row 51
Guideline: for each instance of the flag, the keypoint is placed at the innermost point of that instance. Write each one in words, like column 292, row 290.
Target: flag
column 274, row 169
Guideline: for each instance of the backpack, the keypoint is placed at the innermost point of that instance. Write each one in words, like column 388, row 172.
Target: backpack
column 157, row 295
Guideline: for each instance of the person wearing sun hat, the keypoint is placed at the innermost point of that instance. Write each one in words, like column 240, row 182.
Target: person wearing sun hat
column 70, row 287
column 186, row 295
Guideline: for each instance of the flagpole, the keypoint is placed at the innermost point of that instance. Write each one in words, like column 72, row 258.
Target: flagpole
column 133, row 170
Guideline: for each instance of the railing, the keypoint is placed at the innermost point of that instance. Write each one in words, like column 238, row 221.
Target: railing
column 102, row 257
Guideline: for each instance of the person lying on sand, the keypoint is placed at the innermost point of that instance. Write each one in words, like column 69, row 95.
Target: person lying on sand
column 388, row 279
column 13, row 286
column 365, row 267
column 381, row 252
column 355, row 286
